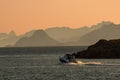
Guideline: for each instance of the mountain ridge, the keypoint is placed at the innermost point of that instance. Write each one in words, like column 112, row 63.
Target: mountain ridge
column 39, row 38
column 66, row 36
column 107, row 31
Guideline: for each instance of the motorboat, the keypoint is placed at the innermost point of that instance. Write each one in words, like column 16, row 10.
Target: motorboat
column 67, row 58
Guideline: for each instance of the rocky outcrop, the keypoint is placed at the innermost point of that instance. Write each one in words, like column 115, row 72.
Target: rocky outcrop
column 102, row 49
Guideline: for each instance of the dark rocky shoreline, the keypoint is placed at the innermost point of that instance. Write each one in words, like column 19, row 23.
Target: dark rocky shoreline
column 103, row 49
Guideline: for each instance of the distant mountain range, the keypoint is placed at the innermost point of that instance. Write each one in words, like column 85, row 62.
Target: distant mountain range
column 63, row 36
column 39, row 38
column 66, row 34
column 108, row 30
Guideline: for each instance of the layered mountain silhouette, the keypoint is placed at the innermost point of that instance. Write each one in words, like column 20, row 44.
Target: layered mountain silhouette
column 83, row 36
column 108, row 30
column 38, row 38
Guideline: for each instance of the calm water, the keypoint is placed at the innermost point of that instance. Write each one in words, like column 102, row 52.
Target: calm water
column 43, row 64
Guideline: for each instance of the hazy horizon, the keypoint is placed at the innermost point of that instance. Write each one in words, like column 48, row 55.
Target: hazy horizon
column 25, row 15
column 59, row 27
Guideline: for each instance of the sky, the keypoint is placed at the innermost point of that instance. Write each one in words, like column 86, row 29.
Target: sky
column 25, row 15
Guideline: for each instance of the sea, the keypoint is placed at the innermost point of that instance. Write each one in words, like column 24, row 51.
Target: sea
column 42, row 63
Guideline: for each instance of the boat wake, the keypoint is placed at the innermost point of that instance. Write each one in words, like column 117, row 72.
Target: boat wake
column 84, row 63
column 91, row 63
column 70, row 59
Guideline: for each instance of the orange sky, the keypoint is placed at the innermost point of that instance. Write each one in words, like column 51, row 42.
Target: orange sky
column 25, row 15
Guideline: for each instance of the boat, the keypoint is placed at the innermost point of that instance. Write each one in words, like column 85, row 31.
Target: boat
column 68, row 58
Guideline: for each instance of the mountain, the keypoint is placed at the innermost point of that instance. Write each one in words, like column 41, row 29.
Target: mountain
column 108, row 30
column 102, row 49
column 12, row 34
column 65, row 34
column 38, row 38
column 83, row 36
column 8, row 39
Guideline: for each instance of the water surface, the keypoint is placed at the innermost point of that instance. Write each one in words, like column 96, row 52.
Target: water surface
column 46, row 66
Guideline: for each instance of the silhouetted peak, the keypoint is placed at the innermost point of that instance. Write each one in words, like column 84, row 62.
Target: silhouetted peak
column 39, row 38
column 103, row 24
column 39, row 33
column 106, row 23
column 12, row 34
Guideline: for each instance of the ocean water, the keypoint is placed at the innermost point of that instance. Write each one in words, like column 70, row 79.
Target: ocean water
column 43, row 64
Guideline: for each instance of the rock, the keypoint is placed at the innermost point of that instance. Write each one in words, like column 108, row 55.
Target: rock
column 102, row 49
